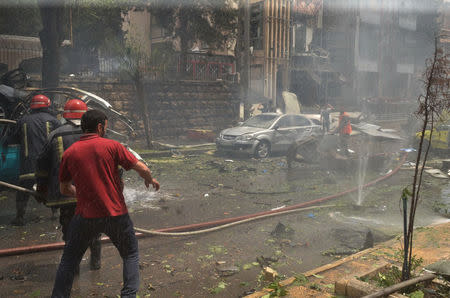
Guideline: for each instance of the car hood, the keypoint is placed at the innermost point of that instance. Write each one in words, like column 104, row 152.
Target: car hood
column 241, row 130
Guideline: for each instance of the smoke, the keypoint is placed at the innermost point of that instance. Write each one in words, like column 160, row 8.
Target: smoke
column 33, row 3
column 406, row 6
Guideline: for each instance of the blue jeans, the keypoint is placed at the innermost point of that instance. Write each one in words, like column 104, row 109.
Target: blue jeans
column 81, row 232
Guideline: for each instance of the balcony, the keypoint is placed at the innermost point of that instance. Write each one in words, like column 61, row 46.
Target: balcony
column 317, row 60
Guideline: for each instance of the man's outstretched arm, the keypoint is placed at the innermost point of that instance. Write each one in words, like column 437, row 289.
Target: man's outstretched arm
column 146, row 174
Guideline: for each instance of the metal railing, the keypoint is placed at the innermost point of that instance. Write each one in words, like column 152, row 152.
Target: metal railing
column 198, row 66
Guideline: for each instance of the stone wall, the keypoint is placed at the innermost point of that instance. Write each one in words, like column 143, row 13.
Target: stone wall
column 174, row 106
column 177, row 106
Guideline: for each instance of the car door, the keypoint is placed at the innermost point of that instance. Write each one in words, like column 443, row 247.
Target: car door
column 284, row 133
column 302, row 126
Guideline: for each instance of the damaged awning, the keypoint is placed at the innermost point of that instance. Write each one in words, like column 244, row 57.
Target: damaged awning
column 376, row 131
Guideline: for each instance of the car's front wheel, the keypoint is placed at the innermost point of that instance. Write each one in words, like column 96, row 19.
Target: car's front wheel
column 262, row 150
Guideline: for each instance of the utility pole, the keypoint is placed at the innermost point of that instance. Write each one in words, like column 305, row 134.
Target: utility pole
column 245, row 57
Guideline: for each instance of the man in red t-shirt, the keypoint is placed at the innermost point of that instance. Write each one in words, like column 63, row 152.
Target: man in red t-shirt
column 89, row 171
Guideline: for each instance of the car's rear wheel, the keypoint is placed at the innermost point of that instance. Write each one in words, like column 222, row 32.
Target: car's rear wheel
column 262, row 150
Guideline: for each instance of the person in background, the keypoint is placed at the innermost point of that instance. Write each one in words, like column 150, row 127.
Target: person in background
column 344, row 129
column 89, row 171
column 47, row 171
column 325, row 118
column 32, row 131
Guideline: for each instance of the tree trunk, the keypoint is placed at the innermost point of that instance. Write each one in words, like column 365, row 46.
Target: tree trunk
column 51, row 38
column 144, row 110
column 184, row 43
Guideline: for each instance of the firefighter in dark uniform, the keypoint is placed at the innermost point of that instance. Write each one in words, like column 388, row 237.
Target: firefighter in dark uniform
column 47, row 171
column 32, row 131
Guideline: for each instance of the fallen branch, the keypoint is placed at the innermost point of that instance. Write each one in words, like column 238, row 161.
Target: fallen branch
column 402, row 285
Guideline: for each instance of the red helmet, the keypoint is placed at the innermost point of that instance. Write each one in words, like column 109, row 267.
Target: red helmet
column 74, row 109
column 40, row 101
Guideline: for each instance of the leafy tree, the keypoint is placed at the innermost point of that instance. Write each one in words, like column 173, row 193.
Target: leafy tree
column 213, row 22
column 94, row 22
column 20, row 18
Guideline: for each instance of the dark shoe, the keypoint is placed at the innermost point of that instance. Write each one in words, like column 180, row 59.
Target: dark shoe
column 54, row 213
column 18, row 221
column 95, row 264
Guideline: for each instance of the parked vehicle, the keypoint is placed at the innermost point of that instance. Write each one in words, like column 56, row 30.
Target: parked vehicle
column 266, row 133
column 440, row 138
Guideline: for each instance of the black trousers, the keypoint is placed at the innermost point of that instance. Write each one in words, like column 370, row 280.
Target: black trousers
column 80, row 233
column 23, row 197
column 66, row 214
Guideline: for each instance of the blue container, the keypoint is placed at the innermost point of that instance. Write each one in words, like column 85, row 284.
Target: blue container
column 9, row 160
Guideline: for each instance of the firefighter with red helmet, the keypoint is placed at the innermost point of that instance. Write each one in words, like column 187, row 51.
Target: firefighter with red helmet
column 32, row 131
column 47, row 170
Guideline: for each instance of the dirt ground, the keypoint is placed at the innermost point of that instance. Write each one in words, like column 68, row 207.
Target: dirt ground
column 201, row 187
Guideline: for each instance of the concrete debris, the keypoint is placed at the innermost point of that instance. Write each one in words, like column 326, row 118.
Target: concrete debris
column 281, row 231
column 353, row 288
column 436, row 173
column 227, row 270
column 266, row 261
column 292, row 106
column 441, row 267
column 276, row 208
column 270, row 274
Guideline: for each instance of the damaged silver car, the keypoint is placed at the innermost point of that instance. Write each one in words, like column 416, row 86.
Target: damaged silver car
column 267, row 133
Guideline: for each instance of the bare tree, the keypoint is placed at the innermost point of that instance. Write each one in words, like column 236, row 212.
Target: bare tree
column 432, row 104
column 135, row 63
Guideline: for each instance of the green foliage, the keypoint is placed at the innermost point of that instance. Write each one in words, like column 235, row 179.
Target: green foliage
column 94, row 22
column 315, row 286
column 36, row 293
column 406, row 193
column 211, row 21
column 278, row 289
column 394, row 275
column 300, row 280
column 219, row 288
column 391, row 277
column 21, row 19
column 162, row 55
column 416, row 294
column 415, row 262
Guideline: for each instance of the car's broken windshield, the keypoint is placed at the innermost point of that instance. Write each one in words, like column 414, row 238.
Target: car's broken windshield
column 261, row 121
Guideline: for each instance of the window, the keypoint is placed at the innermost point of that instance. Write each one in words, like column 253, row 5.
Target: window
column 284, row 122
column 157, row 31
column 300, row 38
column 300, row 121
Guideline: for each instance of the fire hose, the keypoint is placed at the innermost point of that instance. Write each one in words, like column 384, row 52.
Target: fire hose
column 192, row 229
